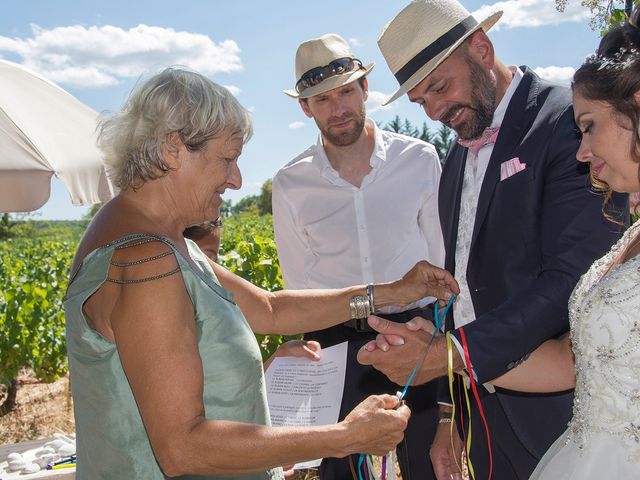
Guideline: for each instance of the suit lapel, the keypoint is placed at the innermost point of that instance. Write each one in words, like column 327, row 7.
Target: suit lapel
column 449, row 201
column 520, row 114
column 449, row 207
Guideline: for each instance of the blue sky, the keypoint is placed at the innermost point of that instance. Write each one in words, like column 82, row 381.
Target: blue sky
column 98, row 50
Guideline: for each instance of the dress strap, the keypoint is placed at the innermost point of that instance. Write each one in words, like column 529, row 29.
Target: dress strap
column 145, row 258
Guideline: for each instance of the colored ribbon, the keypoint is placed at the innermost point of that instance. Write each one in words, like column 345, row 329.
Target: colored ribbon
column 474, row 389
column 438, row 319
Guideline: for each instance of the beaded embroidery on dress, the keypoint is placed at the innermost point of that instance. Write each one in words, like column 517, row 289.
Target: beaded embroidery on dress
column 603, row 437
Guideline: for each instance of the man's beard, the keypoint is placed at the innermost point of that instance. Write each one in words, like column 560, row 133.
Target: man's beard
column 483, row 104
column 344, row 137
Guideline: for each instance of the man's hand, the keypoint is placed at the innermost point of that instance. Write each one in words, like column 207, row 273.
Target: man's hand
column 403, row 349
column 385, row 341
column 446, row 453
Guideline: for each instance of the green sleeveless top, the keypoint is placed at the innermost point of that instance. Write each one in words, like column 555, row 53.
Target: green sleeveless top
column 111, row 439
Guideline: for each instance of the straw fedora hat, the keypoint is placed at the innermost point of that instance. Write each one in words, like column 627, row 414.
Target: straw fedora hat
column 320, row 52
column 423, row 35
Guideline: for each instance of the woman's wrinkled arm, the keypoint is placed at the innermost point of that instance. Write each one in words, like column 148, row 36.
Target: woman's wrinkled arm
column 297, row 311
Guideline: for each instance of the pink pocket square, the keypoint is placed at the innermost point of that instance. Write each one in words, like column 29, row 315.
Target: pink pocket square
column 511, row 167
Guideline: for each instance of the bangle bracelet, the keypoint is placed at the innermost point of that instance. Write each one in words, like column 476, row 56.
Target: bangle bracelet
column 446, row 420
column 372, row 305
column 359, row 306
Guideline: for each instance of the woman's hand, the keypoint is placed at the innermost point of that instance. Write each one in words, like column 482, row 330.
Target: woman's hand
column 423, row 280
column 377, row 424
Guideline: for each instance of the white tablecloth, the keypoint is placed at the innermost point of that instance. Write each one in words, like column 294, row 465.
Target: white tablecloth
column 28, row 449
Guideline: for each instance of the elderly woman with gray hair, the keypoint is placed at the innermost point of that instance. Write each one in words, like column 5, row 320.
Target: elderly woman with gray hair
column 166, row 373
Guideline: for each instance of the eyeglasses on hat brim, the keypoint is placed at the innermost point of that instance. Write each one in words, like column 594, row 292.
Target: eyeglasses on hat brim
column 316, row 75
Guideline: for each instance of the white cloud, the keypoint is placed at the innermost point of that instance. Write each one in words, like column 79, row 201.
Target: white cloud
column 354, row 42
column 104, row 55
column 562, row 75
column 532, row 13
column 251, row 109
column 79, row 76
column 235, row 91
column 296, row 125
column 375, row 101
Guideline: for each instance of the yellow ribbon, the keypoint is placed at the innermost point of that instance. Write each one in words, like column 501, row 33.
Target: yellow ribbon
column 453, row 409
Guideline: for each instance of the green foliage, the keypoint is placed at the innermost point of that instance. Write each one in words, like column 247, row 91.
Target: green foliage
column 264, row 204
column 254, row 204
column 11, row 225
column 33, row 281
column 618, row 17
column 244, row 226
column 225, row 208
column 247, row 248
column 605, row 13
column 92, row 211
column 255, row 259
column 69, row 231
column 246, row 204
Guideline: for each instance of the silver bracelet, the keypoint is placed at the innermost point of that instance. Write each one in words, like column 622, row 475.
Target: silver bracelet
column 359, row 306
column 446, row 420
column 372, row 305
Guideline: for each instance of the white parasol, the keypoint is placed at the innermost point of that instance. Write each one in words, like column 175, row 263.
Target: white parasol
column 45, row 131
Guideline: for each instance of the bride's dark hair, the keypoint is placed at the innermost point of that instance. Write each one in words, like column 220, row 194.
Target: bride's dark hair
column 612, row 76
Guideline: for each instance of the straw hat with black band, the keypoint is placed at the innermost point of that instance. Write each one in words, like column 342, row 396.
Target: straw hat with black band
column 423, row 35
column 320, row 52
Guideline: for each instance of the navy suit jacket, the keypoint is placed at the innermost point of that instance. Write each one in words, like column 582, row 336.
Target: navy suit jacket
column 535, row 234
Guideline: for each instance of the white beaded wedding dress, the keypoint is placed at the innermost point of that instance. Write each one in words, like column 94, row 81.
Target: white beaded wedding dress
column 603, row 437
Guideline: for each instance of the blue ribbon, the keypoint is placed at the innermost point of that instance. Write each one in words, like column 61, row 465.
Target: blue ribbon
column 439, row 317
column 439, row 322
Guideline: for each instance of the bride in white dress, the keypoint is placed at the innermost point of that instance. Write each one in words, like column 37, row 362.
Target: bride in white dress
column 602, row 440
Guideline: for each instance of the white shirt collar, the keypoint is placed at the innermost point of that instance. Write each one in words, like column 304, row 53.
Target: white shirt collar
column 498, row 115
column 378, row 156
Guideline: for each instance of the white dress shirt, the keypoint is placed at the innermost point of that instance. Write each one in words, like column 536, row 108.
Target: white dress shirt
column 332, row 234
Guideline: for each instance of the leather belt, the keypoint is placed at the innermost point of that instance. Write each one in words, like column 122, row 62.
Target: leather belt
column 361, row 325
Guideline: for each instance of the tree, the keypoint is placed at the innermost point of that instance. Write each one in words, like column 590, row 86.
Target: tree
column 92, row 212
column 250, row 202
column 6, row 224
column 16, row 225
column 606, row 13
column 225, row 208
column 264, row 204
column 260, row 204
column 440, row 140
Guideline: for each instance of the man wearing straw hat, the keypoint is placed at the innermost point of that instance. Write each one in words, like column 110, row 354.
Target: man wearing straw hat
column 358, row 206
column 520, row 226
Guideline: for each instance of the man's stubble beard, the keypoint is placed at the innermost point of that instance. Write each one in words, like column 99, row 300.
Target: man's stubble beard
column 348, row 137
column 483, row 103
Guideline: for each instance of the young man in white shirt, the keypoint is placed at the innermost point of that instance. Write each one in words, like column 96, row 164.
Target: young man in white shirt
column 359, row 206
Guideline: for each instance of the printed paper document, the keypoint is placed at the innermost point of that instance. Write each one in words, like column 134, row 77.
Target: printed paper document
column 305, row 392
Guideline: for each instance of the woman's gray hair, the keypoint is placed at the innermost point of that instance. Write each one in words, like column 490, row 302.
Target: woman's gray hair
column 175, row 100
